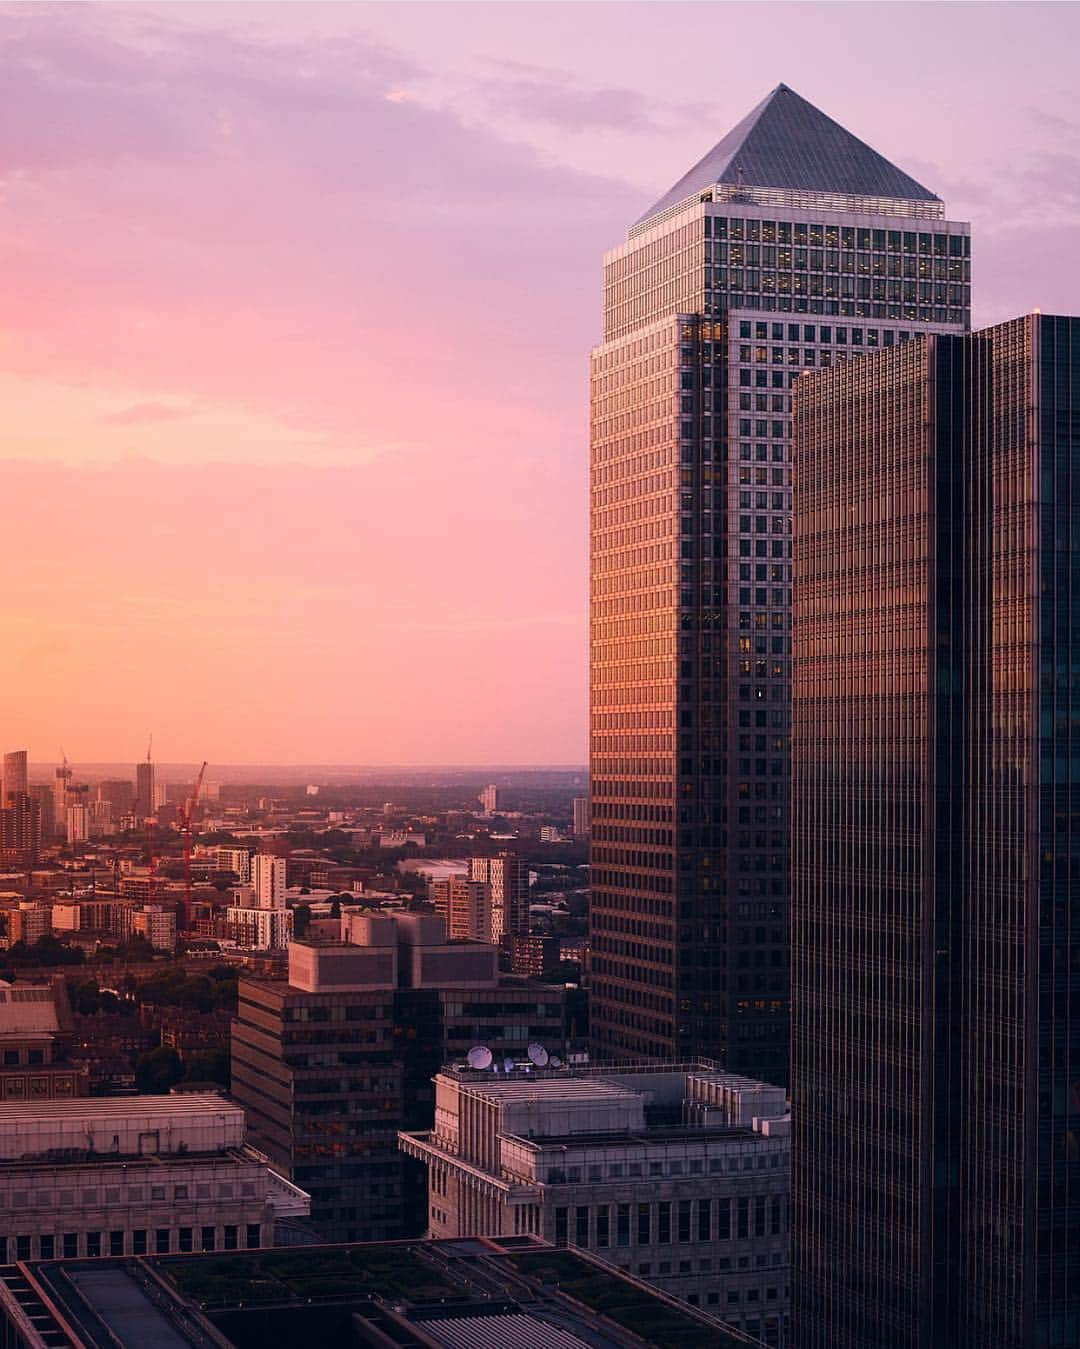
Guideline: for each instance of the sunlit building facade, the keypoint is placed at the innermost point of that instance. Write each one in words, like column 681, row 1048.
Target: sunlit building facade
column 15, row 780
column 936, row 845
column 792, row 245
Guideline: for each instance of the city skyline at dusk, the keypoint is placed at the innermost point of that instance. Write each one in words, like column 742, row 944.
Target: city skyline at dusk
column 295, row 335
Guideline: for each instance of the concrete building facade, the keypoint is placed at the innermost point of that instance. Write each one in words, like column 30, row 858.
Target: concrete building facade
column 678, row 1175
column 508, row 877
column 138, row 1175
column 331, row 1063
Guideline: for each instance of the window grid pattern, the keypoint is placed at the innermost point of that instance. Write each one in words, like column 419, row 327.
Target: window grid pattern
column 691, row 484
column 936, row 870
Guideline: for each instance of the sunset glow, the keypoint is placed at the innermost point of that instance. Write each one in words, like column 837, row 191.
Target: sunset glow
column 294, row 329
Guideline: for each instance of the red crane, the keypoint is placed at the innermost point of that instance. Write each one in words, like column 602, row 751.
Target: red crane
column 185, row 813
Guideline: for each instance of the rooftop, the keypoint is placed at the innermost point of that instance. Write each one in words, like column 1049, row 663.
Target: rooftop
column 787, row 143
column 146, row 1108
column 27, row 1010
column 103, row 1128
column 532, row 1087
column 493, row 1293
column 605, row 1138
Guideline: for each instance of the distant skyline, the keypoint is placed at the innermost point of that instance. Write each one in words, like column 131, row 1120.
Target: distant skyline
column 293, row 345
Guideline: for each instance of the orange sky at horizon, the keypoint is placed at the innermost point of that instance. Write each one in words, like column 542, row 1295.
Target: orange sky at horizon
column 294, row 336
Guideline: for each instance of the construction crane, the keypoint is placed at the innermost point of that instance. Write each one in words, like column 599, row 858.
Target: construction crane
column 185, row 813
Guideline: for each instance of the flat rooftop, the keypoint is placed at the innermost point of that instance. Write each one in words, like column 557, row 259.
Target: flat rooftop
column 528, row 1087
column 185, row 1105
column 506, row 1293
column 27, row 1010
column 101, row 1128
column 608, row 1138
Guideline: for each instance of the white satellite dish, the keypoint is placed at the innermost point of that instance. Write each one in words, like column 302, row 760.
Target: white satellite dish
column 508, row 1065
column 555, row 1061
column 538, row 1055
column 479, row 1057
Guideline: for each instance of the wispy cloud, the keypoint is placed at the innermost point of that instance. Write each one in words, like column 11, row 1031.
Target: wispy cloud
column 540, row 94
column 143, row 414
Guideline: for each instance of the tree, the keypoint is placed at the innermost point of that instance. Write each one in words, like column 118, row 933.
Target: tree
column 158, row 1071
column 47, row 950
column 136, row 947
column 209, row 1065
column 301, row 920
column 85, row 997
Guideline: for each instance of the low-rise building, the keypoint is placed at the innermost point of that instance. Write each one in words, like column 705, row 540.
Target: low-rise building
column 679, row 1175
column 432, row 1294
column 36, row 1032
column 259, row 929
column 157, row 924
column 134, row 1175
column 236, row 860
column 25, row 920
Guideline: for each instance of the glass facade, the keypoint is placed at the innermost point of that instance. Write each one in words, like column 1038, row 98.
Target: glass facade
column 711, row 313
column 936, row 862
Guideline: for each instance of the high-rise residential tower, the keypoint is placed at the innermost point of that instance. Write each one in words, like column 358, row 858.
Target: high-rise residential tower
column 268, row 880
column 508, row 878
column 936, row 845
column 791, row 245
column 145, row 799
column 61, row 786
column 20, row 830
column 15, row 779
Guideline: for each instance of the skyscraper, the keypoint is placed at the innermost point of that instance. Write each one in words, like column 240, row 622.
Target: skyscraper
column 61, row 785
column 790, row 245
column 936, row 837
column 16, row 782
column 145, row 799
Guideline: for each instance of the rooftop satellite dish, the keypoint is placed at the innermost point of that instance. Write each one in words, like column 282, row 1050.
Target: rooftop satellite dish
column 538, row 1055
column 479, row 1057
column 555, row 1061
column 508, row 1065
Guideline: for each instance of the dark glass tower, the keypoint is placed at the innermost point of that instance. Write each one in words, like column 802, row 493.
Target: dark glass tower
column 790, row 245
column 936, row 845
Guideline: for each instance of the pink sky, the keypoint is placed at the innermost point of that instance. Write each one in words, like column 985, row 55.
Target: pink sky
column 294, row 328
